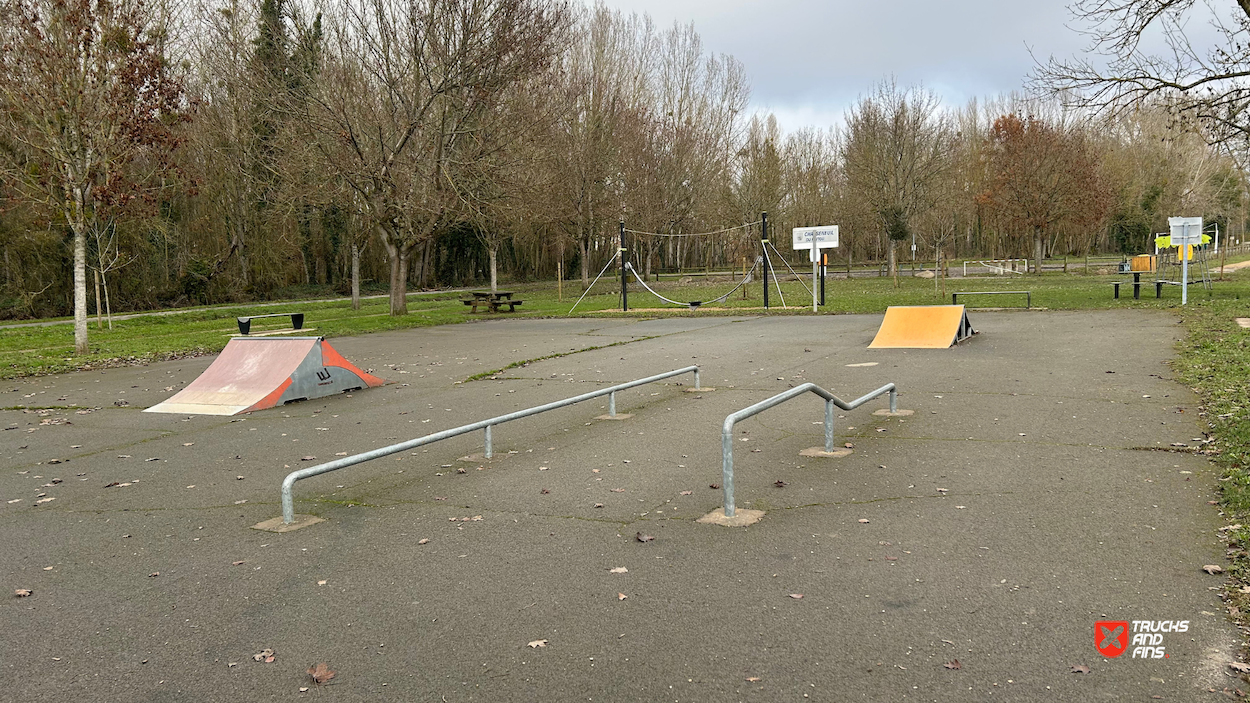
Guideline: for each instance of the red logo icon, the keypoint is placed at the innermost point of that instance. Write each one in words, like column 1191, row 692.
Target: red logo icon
column 1111, row 637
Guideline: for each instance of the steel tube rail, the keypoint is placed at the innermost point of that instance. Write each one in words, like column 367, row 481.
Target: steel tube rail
column 727, row 431
column 288, row 483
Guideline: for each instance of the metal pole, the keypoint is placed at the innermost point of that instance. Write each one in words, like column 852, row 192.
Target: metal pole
column 824, row 271
column 1184, row 252
column 829, row 426
column 624, row 283
column 489, row 451
column 764, row 249
column 727, row 468
column 815, row 270
column 612, row 404
column 696, row 380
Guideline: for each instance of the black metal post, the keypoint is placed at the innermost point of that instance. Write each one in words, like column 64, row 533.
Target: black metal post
column 824, row 267
column 624, row 283
column 764, row 249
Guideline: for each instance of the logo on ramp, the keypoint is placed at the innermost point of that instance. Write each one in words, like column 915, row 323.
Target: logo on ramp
column 1111, row 637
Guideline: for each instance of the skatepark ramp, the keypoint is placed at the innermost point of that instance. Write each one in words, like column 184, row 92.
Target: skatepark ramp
column 254, row 374
column 922, row 327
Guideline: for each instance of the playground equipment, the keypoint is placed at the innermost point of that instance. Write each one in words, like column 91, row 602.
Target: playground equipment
column 285, row 523
column 727, row 514
column 1183, row 249
column 257, row 373
column 922, row 327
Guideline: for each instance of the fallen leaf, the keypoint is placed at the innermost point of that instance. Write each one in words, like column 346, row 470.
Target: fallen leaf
column 779, row 483
column 154, row 574
column 545, row 491
column 340, row 454
column 953, row 664
column 1080, row 669
column 22, row 592
column 796, row 596
column 320, row 672
column 621, row 596
column 643, row 538
column 265, row 655
column 188, row 444
column 618, row 570
column 236, row 563
column 863, row 520
column 753, row 679
column 536, row 644
column 1238, row 666
column 309, row 458
column 598, row 505
column 423, row 540
column 686, row 493
column 322, row 582
column 1213, row 569
column 303, row 689
column 713, row 486
column 848, row 445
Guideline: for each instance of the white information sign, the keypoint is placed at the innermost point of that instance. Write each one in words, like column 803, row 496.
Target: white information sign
column 826, row 238
column 1185, row 231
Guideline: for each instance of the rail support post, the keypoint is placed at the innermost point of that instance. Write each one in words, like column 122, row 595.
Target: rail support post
column 489, row 449
column 829, row 423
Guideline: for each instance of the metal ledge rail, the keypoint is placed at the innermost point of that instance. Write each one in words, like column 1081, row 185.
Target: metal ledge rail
column 288, row 503
column 727, row 432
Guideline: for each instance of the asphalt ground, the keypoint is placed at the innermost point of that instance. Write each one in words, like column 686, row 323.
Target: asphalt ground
column 1035, row 490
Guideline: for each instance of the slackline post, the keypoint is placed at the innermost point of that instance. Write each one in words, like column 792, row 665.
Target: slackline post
column 764, row 248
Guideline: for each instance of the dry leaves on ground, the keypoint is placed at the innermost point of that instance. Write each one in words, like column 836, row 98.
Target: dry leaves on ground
column 753, row 679
column 1080, row 669
column 621, row 596
column 796, row 596
column 643, row 538
column 618, row 570
column 953, row 664
column 265, row 655
column 22, row 592
column 1213, row 569
column 779, row 483
column 686, row 493
column 1238, row 666
column 863, row 520
column 536, row 644
column 320, row 672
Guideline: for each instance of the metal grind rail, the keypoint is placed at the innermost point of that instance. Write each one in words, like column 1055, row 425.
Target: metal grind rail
column 288, row 503
column 727, row 432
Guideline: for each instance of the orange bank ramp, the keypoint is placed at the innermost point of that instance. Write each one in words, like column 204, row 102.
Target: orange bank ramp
column 922, row 327
column 254, row 374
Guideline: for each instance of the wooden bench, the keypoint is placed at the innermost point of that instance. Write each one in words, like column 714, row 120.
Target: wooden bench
column 491, row 305
column 245, row 323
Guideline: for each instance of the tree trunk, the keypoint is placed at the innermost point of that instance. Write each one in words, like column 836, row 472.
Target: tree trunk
column 893, row 263
column 355, row 276
column 1037, row 250
column 108, row 306
column 80, row 283
column 494, row 271
column 99, row 306
column 585, row 244
column 399, row 282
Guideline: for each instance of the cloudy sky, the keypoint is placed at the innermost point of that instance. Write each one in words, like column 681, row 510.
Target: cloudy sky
column 809, row 59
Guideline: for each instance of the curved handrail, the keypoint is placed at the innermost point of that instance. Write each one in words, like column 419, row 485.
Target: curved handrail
column 727, row 430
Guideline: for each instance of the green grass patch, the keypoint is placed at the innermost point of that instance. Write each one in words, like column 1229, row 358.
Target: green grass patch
column 36, row 350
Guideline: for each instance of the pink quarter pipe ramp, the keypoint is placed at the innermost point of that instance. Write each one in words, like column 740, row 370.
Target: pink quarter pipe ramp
column 254, row 374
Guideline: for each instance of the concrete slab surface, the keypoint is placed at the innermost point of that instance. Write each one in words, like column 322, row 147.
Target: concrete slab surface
column 1035, row 490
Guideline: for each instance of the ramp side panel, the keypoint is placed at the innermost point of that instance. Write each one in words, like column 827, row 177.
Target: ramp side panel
column 331, row 357
column 919, row 327
column 244, row 374
column 323, row 372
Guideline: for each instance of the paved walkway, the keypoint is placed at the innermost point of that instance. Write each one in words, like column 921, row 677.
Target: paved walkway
column 1036, row 489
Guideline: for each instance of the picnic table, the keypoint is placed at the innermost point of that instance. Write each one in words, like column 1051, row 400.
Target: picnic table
column 492, row 301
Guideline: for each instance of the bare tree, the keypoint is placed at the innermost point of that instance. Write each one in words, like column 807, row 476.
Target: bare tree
column 1117, row 72
column 84, row 91
column 403, row 87
column 897, row 147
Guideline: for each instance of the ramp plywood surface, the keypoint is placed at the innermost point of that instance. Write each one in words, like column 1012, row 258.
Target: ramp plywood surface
column 254, row 374
column 922, row 327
